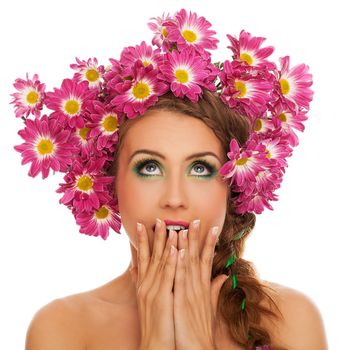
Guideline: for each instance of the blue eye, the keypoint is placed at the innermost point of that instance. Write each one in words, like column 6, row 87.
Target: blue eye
column 151, row 164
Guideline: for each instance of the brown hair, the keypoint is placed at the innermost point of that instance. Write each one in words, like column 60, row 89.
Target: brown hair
column 245, row 326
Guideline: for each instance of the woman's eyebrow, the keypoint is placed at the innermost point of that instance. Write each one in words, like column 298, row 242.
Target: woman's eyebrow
column 155, row 153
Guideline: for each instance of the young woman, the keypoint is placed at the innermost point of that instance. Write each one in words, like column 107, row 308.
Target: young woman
column 187, row 285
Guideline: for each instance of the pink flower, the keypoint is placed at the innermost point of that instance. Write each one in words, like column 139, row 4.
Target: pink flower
column 30, row 97
column 88, row 71
column 191, row 30
column 295, row 84
column 241, row 89
column 137, row 95
column 85, row 186
column 185, row 71
column 104, row 125
column 97, row 222
column 69, row 101
column 285, row 118
column 141, row 52
column 247, row 49
column 160, row 31
column 244, row 164
column 47, row 146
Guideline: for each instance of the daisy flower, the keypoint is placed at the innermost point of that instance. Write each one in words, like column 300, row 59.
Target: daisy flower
column 244, row 165
column 241, row 89
column 29, row 98
column 160, row 31
column 97, row 222
column 85, row 185
column 295, row 84
column 191, row 30
column 185, row 71
column 88, row 70
column 141, row 52
column 104, row 125
column 46, row 146
column 68, row 102
column 139, row 93
column 247, row 49
column 288, row 119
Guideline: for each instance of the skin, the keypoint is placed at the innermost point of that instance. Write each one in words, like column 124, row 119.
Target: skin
column 175, row 192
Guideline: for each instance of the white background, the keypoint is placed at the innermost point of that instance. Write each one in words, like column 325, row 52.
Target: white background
column 302, row 244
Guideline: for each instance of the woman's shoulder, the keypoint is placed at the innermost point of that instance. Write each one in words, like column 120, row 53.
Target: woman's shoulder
column 301, row 325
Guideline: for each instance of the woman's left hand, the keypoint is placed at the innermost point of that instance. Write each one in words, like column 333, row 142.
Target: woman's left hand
column 195, row 295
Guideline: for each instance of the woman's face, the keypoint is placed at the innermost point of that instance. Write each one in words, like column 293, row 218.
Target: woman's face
column 172, row 185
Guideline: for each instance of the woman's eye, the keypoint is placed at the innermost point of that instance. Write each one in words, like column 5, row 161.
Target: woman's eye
column 148, row 167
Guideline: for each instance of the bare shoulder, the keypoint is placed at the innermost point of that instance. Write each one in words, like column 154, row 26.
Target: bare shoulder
column 57, row 325
column 302, row 326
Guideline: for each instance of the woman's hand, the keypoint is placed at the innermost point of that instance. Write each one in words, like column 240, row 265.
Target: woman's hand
column 154, row 279
column 195, row 295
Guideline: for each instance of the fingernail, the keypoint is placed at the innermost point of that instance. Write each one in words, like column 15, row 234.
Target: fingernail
column 214, row 231
column 138, row 227
column 158, row 223
column 184, row 234
column 182, row 253
column 172, row 250
column 171, row 234
column 196, row 223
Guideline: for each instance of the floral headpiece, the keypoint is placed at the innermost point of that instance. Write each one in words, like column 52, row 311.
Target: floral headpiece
column 80, row 135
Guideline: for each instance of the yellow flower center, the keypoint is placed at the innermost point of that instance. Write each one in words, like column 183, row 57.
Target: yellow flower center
column 268, row 153
column 164, row 32
column 189, row 35
column 141, row 90
column 102, row 213
column 72, row 107
column 258, row 124
column 241, row 161
column 146, row 63
column 83, row 132
column 45, row 146
column 92, row 75
column 282, row 117
column 247, row 58
column 241, row 87
column 32, row 97
column 285, row 87
column 84, row 183
column 182, row 76
column 110, row 123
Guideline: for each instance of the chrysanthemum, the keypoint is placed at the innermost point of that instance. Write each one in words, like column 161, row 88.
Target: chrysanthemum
column 247, row 49
column 190, row 30
column 104, row 125
column 29, row 98
column 139, row 93
column 243, row 166
column 85, row 186
column 241, row 88
column 88, row 70
column 68, row 102
column 277, row 151
column 47, row 146
column 295, row 83
column 97, row 222
column 159, row 29
column 185, row 71
column 141, row 52
column 286, row 119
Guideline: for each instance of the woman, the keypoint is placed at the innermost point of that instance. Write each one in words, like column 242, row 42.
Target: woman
column 175, row 293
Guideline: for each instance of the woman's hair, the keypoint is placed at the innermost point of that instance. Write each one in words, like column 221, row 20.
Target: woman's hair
column 245, row 327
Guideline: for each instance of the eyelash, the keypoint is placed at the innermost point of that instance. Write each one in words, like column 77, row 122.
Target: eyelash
column 144, row 161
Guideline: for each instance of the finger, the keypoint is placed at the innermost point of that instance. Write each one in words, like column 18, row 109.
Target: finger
column 165, row 280
column 180, row 278
column 216, row 286
column 158, row 248
column 207, row 256
column 143, row 253
column 192, row 259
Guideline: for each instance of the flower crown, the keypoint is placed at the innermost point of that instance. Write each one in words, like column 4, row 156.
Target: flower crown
column 80, row 135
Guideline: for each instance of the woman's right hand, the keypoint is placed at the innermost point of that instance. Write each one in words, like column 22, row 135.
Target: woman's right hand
column 154, row 285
